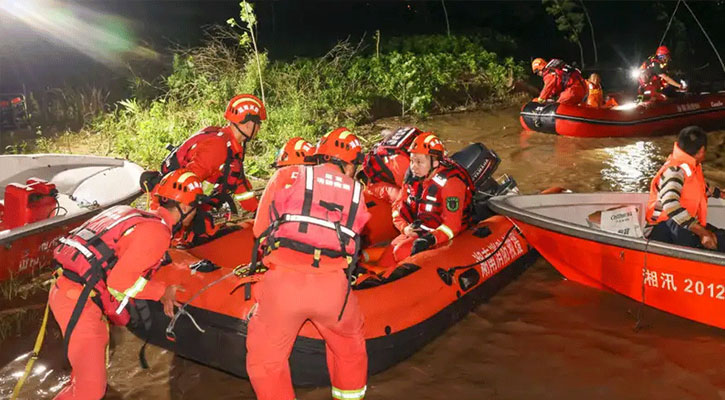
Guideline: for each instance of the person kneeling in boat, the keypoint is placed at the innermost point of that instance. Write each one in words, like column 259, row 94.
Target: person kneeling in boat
column 677, row 207
column 433, row 205
column 385, row 166
column 104, row 263
column 560, row 79
column 317, row 214
column 654, row 83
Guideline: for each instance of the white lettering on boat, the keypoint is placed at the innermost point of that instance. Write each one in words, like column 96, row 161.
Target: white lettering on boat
column 508, row 252
column 716, row 104
column 688, row 107
column 42, row 256
column 699, row 287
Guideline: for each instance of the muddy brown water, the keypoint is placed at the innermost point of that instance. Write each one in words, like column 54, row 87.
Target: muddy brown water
column 541, row 337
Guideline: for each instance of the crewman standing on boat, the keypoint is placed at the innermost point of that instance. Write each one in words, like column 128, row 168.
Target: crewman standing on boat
column 560, row 79
column 677, row 208
column 311, row 217
column 653, row 78
column 104, row 263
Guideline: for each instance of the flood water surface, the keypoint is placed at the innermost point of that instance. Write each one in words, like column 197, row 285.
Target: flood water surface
column 541, row 337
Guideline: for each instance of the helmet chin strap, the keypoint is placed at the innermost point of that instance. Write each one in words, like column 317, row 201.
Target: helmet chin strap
column 182, row 216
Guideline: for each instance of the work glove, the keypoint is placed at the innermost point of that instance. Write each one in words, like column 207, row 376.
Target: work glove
column 424, row 242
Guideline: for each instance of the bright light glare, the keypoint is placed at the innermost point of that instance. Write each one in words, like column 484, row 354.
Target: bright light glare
column 634, row 73
column 625, row 106
column 105, row 38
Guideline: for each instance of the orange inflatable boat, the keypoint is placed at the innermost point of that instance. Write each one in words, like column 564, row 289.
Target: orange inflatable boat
column 405, row 306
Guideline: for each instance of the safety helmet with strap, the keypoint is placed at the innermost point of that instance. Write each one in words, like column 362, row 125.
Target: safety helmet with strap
column 429, row 144
column 339, row 147
column 182, row 187
column 296, row 151
column 538, row 64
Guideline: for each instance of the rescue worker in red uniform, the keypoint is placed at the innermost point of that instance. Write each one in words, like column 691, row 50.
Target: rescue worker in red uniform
column 385, row 166
column 433, row 204
column 560, row 79
column 312, row 217
column 296, row 151
column 216, row 154
column 677, row 208
column 102, row 265
column 653, row 79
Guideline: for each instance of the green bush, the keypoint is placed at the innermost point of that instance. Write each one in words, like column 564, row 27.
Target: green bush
column 305, row 97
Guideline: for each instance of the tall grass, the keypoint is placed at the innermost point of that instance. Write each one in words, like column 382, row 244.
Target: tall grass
column 351, row 85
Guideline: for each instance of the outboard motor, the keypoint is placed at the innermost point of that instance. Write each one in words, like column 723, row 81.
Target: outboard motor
column 481, row 162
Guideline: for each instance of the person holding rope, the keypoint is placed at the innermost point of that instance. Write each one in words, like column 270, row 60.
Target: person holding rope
column 106, row 262
column 311, row 218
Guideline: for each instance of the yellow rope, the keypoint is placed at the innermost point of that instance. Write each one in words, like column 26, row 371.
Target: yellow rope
column 36, row 350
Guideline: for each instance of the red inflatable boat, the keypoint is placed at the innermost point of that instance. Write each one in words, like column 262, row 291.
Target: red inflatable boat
column 706, row 110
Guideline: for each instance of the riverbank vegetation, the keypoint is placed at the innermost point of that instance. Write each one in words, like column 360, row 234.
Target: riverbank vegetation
column 352, row 85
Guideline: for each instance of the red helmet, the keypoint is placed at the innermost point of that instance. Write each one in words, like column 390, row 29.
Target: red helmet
column 428, row 143
column 538, row 64
column 181, row 186
column 295, row 152
column 340, row 145
column 662, row 51
column 244, row 107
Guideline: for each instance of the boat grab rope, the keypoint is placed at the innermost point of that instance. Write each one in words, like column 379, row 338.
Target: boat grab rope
column 640, row 311
column 451, row 270
column 670, row 23
column 239, row 271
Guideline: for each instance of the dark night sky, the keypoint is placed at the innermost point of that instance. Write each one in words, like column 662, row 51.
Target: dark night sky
column 624, row 30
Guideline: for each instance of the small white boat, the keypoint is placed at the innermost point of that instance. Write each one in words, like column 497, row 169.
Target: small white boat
column 46, row 195
column 595, row 239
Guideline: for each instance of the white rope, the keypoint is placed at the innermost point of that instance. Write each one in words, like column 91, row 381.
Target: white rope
column 705, row 33
column 670, row 23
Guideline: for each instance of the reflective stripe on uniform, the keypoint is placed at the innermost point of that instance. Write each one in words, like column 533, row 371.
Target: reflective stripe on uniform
column 355, row 394
column 396, row 213
column 686, row 168
column 244, row 196
column 130, row 292
column 72, row 243
column 445, row 229
column 439, row 180
column 317, row 221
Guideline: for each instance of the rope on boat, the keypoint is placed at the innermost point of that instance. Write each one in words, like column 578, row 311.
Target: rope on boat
column 670, row 23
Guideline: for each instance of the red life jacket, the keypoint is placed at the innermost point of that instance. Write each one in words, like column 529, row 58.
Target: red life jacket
column 88, row 254
column 232, row 172
column 647, row 77
column 317, row 215
column 568, row 75
column 375, row 164
column 424, row 202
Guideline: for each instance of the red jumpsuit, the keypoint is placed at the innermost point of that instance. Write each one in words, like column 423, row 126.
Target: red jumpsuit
column 452, row 200
column 293, row 292
column 571, row 93
column 207, row 159
column 138, row 251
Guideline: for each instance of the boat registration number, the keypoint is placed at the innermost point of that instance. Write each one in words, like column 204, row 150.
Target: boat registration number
column 666, row 281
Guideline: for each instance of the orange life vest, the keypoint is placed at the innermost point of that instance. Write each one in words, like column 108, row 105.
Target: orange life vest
column 318, row 214
column 88, row 254
column 693, row 197
column 424, row 200
column 595, row 98
column 568, row 76
column 648, row 78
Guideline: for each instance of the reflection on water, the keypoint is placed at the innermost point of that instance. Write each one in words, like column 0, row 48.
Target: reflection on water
column 542, row 337
column 630, row 168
